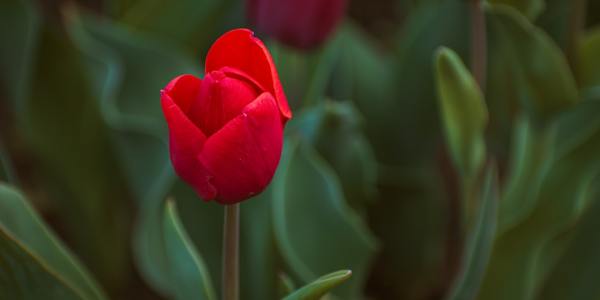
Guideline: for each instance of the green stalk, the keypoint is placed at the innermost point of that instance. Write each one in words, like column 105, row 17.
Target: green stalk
column 231, row 257
column 478, row 43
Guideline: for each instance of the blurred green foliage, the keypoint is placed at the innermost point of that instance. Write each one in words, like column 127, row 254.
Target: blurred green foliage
column 425, row 179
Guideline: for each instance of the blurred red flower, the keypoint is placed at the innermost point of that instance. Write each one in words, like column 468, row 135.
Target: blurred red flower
column 226, row 130
column 302, row 24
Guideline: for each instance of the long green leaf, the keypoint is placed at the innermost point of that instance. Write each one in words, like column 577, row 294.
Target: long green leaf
column 526, row 68
column 529, row 8
column 19, row 24
column 23, row 276
column 463, row 112
column 62, row 129
column 189, row 277
column 589, row 61
column 308, row 187
column 523, row 255
column 575, row 274
column 19, row 219
column 190, row 23
column 318, row 288
column 479, row 244
column 335, row 130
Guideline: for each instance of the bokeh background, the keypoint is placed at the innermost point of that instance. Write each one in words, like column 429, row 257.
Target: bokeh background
column 472, row 191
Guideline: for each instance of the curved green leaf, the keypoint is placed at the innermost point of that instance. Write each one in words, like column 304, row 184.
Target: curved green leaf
column 189, row 277
column 575, row 274
column 305, row 75
column 285, row 285
column 63, row 133
column 527, row 73
column 318, row 288
column 22, row 276
column 479, row 243
column 395, row 92
column 463, row 112
column 520, row 260
column 335, row 130
column 19, row 219
column 413, row 107
column 530, row 159
column 589, row 62
column 19, row 22
column 130, row 109
column 189, row 23
column 132, row 113
column 529, row 8
column 306, row 186
column 7, row 172
column 260, row 259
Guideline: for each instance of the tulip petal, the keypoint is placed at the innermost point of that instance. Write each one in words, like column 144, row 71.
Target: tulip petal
column 185, row 142
column 240, row 49
column 243, row 155
column 184, row 89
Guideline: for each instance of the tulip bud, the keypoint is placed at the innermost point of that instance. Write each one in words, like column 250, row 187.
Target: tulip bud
column 302, row 24
column 226, row 130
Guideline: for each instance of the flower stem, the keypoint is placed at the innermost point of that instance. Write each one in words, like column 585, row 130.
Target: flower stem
column 575, row 28
column 478, row 43
column 231, row 265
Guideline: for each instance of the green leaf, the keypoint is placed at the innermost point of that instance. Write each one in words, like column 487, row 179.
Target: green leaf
column 335, row 130
column 132, row 112
column 63, row 132
column 479, row 244
column 7, row 172
column 321, row 71
column 285, row 285
column 190, row 23
column 463, row 112
column 19, row 22
column 396, row 94
column 130, row 109
column 23, row 276
column 305, row 75
column 260, row 259
column 405, row 94
column 362, row 76
column 521, row 260
column 189, row 277
column 527, row 72
column 307, row 186
column 318, row 288
column 554, row 20
column 529, row 8
column 19, row 219
column 575, row 274
column 589, row 62
column 530, row 159
column 203, row 224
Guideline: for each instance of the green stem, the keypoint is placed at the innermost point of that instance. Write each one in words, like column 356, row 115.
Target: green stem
column 478, row 43
column 231, row 257
column 575, row 27
column 6, row 166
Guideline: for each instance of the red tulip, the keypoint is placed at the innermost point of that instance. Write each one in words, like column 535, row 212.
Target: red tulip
column 299, row 23
column 226, row 130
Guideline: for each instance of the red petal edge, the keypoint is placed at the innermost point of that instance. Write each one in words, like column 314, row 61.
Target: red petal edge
column 244, row 154
column 183, row 89
column 185, row 142
column 240, row 49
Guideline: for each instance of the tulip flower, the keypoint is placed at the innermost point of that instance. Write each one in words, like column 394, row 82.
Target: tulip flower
column 226, row 130
column 302, row 24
